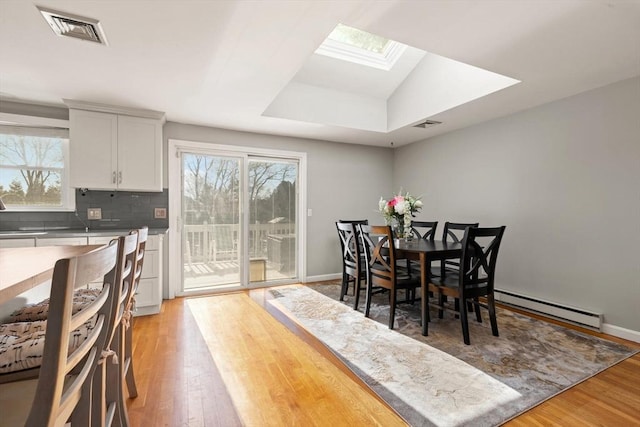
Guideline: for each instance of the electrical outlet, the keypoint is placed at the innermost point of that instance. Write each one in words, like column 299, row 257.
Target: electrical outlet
column 94, row 213
column 160, row 213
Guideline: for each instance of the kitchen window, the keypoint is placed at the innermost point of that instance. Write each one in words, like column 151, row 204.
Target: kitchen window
column 34, row 164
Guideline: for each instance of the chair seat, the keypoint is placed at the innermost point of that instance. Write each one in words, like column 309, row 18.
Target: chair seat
column 435, row 271
column 452, row 281
column 22, row 343
column 40, row 311
column 407, row 282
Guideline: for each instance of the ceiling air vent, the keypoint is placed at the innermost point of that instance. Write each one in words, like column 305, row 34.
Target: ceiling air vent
column 68, row 25
column 427, row 124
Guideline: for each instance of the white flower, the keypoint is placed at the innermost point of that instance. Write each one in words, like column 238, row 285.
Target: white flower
column 400, row 207
column 382, row 204
column 418, row 204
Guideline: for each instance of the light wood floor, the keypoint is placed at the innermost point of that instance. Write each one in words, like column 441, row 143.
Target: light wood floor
column 247, row 367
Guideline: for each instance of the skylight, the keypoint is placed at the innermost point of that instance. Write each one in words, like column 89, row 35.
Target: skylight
column 358, row 38
column 360, row 47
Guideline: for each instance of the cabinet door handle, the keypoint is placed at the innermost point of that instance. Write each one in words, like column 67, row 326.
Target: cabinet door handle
column 114, row 177
column 120, row 177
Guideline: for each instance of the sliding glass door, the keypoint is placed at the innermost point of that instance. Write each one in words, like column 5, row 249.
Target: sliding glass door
column 239, row 219
column 211, row 201
column 272, row 219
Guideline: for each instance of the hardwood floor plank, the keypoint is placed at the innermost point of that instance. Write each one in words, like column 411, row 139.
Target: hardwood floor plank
column 273, row 377
column 178, row 382
column 247, row 368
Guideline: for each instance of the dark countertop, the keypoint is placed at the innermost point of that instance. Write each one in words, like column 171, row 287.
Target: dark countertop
column 30, row 234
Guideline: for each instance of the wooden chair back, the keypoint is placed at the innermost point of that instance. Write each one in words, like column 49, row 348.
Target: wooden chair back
column 143, row 235
column 107, row 379
column 424, row 229
column 127, row 350
column 453, row 232
column 379, row 252
column 57, row 393
column 350, row 249
column 355, row 221
column 479, row 256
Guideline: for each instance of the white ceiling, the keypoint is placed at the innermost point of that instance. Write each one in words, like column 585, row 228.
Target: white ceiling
column 222, row 63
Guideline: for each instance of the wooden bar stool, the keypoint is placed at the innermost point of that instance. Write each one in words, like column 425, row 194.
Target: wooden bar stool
column 62, row 391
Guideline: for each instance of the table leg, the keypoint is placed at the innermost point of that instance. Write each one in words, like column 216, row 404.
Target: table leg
column 425, row 294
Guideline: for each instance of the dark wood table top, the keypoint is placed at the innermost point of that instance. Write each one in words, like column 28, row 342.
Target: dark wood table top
column 22, row 269
column 434, row 249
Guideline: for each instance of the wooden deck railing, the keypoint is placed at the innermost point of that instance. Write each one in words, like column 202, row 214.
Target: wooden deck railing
column 219, row 242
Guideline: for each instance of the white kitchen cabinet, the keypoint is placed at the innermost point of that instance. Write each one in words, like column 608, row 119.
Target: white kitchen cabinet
column 113, row 148
column 17, row 243
column 149, row 296
column 60, row 241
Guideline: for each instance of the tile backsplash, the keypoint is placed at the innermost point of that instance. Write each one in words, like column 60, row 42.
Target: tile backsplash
column 120, row 209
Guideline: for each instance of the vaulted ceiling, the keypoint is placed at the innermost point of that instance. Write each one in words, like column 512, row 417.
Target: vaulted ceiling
column 228, row 64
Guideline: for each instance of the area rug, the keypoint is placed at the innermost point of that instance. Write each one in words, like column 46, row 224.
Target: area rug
column 437, row 380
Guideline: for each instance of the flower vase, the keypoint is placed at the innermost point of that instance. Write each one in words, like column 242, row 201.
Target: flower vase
column 398, row 229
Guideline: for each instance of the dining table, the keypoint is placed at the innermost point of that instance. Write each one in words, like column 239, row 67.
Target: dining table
column 22, row 269
column 425, row 251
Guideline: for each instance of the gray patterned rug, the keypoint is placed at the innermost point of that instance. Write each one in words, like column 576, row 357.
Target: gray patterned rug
column 437, row 380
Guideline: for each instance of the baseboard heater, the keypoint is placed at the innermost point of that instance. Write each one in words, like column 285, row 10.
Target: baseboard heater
column 550, row 309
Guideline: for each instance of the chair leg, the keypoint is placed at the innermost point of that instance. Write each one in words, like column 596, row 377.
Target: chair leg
column 441, row 300
column 345, row 285
column 98, row 398
column 357, row 292
column 392, row 307
column 477, row 309
column 128, row 352
column 81, row 415
column 368, row 299
column 492, row 315
column 117, row 375
column 465, row 323
column 425, row 304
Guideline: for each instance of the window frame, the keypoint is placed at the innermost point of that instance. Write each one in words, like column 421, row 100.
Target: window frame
column 68, row 199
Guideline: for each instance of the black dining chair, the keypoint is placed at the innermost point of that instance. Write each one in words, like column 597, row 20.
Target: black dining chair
column 355, row 222
column 453, row 232
column 425, row 230
column 353, row 269
column 475, row 278
column 382, row 268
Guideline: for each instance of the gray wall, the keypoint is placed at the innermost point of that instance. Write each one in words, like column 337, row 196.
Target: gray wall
column 565, row 180
column 343, row 180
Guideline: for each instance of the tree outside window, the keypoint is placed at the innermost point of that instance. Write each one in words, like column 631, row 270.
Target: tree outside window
column 32, row 169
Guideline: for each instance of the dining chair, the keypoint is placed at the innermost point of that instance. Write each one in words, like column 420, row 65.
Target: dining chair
column 453, row 232
column 345, row 277
column 382, row 268
column 353, row 269
column 475, row 279
column 127, row 321
column 425, row 230
column 62, row 391
column 107, row 403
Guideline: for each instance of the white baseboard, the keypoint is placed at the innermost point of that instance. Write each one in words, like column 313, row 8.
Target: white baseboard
column 322, row 277
column 575, row 315
column 620, row 332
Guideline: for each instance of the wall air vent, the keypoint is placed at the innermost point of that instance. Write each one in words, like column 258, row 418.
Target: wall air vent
column 78, row 27
column 427, row 124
